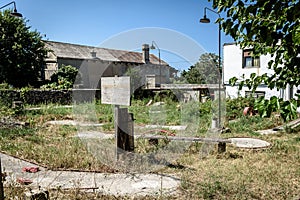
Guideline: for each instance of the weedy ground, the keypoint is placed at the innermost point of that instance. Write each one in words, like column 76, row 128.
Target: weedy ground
column 272, row 173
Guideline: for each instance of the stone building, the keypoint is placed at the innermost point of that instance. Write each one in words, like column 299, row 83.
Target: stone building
column 94, row 63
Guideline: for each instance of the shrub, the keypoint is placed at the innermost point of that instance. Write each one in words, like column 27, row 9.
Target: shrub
column 235, row 107
column 64, row 78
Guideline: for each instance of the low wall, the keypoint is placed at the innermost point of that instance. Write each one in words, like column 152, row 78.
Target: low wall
column 36, row 96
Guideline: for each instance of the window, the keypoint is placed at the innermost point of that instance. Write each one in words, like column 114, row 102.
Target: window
column 249, row 60
column 255, row 94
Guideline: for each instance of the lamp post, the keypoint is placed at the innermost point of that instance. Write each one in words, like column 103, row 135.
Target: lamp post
column 155, row 46
column 207, row 20
column 15, row 13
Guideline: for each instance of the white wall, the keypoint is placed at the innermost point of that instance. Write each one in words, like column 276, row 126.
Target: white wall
column 233, row 64
column 233, row 92
column 233, row 67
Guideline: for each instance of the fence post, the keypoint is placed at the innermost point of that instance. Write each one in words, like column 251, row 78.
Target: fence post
column 123, row 131
column 221, row 147
column 130, row 132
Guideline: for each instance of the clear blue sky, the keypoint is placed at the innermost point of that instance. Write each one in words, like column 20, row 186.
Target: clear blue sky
column 91, row 22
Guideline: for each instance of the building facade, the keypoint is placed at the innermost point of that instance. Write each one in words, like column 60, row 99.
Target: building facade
column 94, row 63
column 241, row 63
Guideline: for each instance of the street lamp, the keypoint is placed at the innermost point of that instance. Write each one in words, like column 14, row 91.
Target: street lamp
column 15, row 13
column 155, row 46
column 207, row 20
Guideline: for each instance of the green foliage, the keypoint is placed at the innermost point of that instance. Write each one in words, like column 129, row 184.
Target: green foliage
column 5, row 107
column 141, row 93
column 235, row 107
column 5, row 86
column 140, row 111
column 205, row 108
column 166, row 96
column 250, row 124
column 205, row 71
column 23, row 93
column 287, row 109
column 253, row 82
column 5, row 100
column 266, row 107
column 64, row 78
column 105, row 112
column 22, row 52
column 269, row 27
column 13, row 133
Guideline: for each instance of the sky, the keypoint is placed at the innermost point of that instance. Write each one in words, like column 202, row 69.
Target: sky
column 126, row 24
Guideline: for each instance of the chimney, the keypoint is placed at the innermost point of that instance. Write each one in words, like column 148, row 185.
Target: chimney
column 93, row 54
column 146, row 50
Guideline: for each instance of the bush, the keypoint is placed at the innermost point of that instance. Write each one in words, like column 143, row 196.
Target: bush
column 64, row 78
column 166, row 96
column 235, row 107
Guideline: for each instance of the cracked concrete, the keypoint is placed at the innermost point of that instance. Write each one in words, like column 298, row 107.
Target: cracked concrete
column 116, row 184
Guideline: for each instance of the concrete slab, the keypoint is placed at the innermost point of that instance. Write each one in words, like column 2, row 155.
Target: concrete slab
column 40, row 108
column 249, row 143
column 269, row 131
column 95, row 134
column 71, row 123
column 104, row 183
column 61, row 122
column 175, row 128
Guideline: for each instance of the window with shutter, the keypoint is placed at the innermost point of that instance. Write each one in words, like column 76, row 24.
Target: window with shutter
column 250, row 61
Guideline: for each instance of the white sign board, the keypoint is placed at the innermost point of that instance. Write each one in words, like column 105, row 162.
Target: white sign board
column 115, row 90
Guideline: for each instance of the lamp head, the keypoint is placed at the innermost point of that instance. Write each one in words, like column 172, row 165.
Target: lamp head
column 205, row 20
column 152, row 46
column 16, row 13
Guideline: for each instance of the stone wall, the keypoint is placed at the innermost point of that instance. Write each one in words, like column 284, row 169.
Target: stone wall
column 36, row 96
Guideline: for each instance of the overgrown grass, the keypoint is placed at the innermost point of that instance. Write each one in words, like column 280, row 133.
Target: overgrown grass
column 44, row 113
column 246, row 174
column 250, row 124
column 272, row 173
column 53, row 146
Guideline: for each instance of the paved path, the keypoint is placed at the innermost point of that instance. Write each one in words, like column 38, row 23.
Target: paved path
column 112, row 184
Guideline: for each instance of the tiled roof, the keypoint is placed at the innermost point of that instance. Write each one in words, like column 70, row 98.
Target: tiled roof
column 75, row 51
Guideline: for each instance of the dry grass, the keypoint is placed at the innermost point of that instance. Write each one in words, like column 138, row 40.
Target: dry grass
column 272, row 173
column 237, row 174
column 245, row 174
column 53, row 147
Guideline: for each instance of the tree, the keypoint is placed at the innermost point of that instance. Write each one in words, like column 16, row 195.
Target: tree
column 269, row 27
column 205, row 71
column 22, row 52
